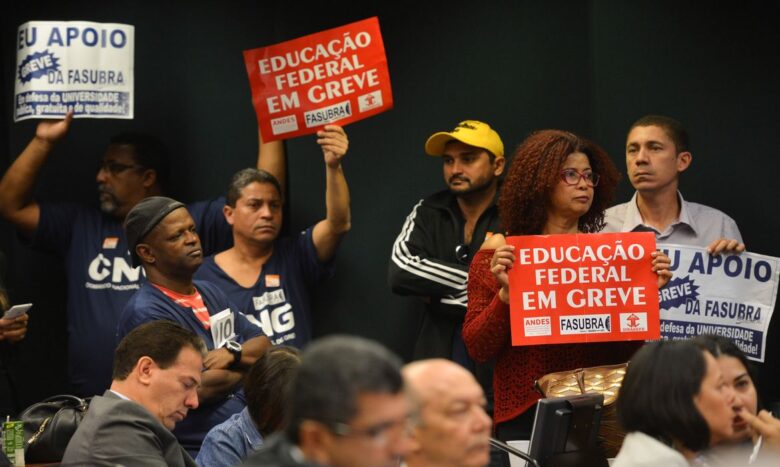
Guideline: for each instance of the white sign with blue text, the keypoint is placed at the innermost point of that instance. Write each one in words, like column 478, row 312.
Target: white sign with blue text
column 74, row 66
column 729, row 295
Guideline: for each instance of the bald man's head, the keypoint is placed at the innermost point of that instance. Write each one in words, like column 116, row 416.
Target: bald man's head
column 453, row 428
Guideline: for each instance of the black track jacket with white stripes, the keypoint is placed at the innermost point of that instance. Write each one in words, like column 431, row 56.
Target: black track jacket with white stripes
column 424, row 264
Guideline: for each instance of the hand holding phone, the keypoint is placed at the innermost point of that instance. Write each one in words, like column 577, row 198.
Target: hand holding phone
column 17, row 311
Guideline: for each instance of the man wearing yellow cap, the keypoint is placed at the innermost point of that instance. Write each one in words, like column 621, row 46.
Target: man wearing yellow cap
column 431, row 256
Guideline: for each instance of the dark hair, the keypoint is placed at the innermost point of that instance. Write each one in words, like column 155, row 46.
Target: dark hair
column 149, row 152
column 656, row 396
column 534, row 173
column 244, row 177
column 334, row 371
column 719, row 345
column 267, row 387
column 159, row 340
column 673, row 128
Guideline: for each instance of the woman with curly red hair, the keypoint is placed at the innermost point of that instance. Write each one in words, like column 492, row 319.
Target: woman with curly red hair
column 558, row 183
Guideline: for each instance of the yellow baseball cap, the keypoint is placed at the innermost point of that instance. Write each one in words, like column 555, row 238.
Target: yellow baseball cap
column 471, row 132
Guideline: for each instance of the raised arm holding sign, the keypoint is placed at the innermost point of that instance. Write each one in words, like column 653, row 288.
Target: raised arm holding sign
column 574, row 181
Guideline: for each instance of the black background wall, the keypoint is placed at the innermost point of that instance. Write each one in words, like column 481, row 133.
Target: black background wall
column 591, row 67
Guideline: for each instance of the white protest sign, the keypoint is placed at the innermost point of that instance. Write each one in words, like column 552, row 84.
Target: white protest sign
column 729, row 295
column 222, row 327
column 77, row 66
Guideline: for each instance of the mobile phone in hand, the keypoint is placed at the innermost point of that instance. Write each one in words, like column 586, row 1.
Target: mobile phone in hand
column 17, row 310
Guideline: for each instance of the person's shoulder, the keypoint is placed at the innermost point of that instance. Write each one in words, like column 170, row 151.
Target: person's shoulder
column 109, row 409
column 276, row 452
column 698, row 209
column 145, row 304
column 615, row 217
column 212, row 292
column 617, row 210
column 439, row 200
column 229, row 430
column 141, row 296
column 209, row 262
column 208, row 287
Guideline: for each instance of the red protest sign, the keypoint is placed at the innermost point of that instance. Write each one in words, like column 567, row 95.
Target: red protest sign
column 583, row 288
column 339, row 75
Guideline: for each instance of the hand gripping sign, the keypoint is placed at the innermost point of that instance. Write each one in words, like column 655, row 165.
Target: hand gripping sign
column 73, row 66
column 339, row 75
column 583, row 288
column 728, row 295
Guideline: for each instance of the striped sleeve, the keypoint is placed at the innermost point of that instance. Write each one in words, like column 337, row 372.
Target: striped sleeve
column 413, row 271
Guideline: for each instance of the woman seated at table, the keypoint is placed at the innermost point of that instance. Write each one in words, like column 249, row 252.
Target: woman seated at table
column 740, row 375
column 558, row 183
column 674, row 403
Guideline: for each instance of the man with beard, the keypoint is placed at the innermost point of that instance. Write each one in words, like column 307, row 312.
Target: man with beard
column 91, row 241
column 431, row 256
column 161, row 236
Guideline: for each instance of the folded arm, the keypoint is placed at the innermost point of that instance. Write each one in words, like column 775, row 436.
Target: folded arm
column 222, row 375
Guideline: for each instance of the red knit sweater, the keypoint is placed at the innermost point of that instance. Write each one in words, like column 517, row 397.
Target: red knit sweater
column 486, row 334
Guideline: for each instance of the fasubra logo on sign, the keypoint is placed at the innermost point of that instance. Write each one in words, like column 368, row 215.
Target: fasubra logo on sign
column 585, row 324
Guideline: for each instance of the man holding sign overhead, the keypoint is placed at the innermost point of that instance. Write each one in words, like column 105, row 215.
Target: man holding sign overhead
column 161, row 236
column 271, row 276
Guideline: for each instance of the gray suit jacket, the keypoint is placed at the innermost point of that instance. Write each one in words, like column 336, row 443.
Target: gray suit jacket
column 119, row 432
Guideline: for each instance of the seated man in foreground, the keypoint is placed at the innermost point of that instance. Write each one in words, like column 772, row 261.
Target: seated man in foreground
column 347, row 408
column 453, row 429
column 157, row 372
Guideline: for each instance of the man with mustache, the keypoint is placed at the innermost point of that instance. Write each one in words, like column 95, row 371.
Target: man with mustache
column 657, row 152
column 156, row 377
column 100, row 277
column 430, row 257
column 270, row 277
column 162, row 238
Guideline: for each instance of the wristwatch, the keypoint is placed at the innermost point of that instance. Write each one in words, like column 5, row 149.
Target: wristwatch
column 234, row 348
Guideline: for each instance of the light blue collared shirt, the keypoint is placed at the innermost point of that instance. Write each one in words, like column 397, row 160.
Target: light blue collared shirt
column 697, row 225
column 230, row 442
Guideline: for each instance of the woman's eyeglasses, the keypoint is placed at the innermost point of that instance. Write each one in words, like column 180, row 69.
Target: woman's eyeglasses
column 573, row 177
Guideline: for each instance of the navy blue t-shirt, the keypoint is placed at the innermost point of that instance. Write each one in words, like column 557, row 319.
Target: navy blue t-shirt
column 280, row 300
column 151, row 304
column 101, row 278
